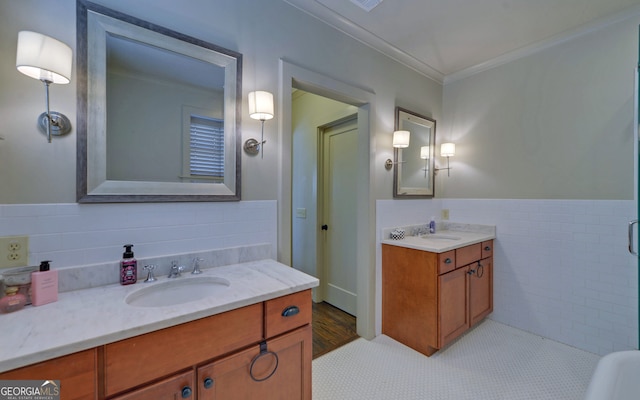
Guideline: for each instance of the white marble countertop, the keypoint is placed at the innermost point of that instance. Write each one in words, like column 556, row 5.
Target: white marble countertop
column 444, row 240
column 87, row 318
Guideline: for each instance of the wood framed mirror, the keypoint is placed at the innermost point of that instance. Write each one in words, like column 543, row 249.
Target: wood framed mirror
column 414, row 166
column 158, row 112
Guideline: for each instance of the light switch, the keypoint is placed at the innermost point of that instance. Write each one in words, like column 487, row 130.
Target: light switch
column 301, row 213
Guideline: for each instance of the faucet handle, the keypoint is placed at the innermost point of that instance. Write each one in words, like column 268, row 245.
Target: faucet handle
column 175, row 270
column 196, row 266
column 149, row 269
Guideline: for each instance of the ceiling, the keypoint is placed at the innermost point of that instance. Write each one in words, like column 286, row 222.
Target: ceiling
column 448, row 39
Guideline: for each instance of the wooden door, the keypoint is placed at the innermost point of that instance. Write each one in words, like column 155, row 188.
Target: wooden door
column 481, row 290
column 239, row 377
column 453, row 315
column 176, row 387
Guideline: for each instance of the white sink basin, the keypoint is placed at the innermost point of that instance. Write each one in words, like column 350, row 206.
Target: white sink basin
column 438, row 236
column 177, row 291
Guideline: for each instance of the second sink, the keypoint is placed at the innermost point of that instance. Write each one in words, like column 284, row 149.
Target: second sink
column 440, row 236
column 177, row 291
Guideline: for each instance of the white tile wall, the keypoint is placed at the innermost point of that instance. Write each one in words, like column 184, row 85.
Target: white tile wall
column 80, row 234
column 562, row 269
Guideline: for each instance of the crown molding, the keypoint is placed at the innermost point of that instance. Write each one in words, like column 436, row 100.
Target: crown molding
column 536, row 47
column 349, row 28
column 346, row 26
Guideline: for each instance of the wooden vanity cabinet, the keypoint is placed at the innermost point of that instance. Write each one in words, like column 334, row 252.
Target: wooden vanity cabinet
column 76, row 372
column 218, row 353
column 430, row 299
column 210, row 358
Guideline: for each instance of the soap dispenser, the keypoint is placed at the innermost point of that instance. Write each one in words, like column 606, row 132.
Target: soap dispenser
column 432, row 225
column 44, row 285
column 128, row 267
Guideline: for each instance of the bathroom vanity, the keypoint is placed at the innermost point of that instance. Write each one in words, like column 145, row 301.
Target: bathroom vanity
column 253, row 341
column 436, row 287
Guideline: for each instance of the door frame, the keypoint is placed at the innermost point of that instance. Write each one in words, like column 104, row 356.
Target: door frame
column 293, row 76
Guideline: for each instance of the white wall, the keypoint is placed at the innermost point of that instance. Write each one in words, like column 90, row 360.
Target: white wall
column 557, row 124
column 83, row 234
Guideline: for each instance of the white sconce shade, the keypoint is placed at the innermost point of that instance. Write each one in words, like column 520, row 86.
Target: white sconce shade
column 424, row 152
column 448, row 149
column 261, row 105
column 401, row 139
column 44, row 58
column 48, row 60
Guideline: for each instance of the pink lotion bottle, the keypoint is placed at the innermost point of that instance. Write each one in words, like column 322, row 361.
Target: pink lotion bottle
column 44, row 285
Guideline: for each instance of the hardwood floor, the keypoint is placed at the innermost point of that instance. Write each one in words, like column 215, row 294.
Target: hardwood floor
column 332, row 328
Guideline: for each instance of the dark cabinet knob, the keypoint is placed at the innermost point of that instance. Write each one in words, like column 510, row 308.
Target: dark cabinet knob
column 208, row 383
column 186, row 392
column 487, row 248
column 448, row 261
column 325, row 227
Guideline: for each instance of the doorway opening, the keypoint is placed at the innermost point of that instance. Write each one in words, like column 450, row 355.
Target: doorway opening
column 323, row 211
column 294, row 77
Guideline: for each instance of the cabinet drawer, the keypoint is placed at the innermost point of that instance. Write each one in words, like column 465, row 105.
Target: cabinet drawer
column 132, row 362
column 446, row 262
column 286, row 313
column 487, row 249
column 176, row 387
column 76, row 372
column 468, row 254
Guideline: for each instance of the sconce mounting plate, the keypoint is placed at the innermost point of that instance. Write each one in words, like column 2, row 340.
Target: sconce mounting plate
column 251, row 146
column 388, row 164
column 60, row 124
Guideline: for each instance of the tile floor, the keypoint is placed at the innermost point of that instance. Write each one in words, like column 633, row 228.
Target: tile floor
column 492, row 361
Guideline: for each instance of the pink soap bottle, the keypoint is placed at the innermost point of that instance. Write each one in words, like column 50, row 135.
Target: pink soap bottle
column 128, row 267
column 44, row 285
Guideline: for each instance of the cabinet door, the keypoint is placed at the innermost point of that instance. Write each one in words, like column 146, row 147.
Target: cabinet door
column 132, row 362
column 453, row 316
column 246, row 375
column 173, row 388
column 481, row 290
column 76, row 373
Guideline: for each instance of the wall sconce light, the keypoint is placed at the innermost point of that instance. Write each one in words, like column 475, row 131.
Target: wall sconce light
column 49, row 60
column 261, row 108
column 447, row 150
column 424, row 154
column 400, row 141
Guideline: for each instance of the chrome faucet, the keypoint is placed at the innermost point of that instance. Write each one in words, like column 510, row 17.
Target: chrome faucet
column 175, row 270
column 196, row 266
column 150, row 276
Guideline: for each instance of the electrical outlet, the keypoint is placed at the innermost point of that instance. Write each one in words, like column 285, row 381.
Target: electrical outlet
column 444, row 214
column 14, row 251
